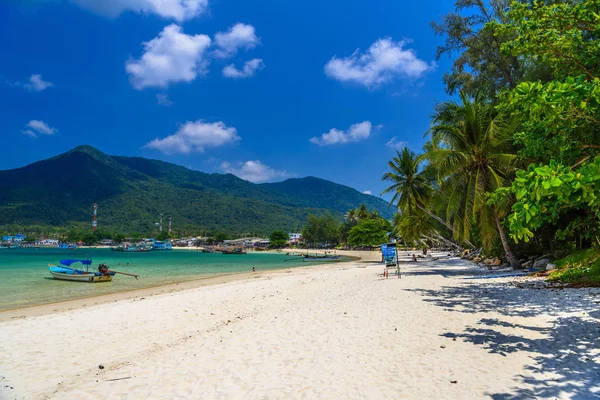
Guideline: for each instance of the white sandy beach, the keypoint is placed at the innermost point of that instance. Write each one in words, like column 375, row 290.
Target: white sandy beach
column 339, row 331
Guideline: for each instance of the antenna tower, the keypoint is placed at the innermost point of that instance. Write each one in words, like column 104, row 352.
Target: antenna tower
column 95, row 218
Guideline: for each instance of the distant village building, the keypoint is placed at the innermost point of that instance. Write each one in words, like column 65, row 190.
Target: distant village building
column 16, row 238
column 262, row 243
column 186, row 242
column 48, row 242
column 247, row 241
column 295, row 237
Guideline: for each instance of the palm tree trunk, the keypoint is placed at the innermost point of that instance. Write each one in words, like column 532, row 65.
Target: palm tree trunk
column 447, row 242
column 514, row 263
column 441, row 221
column 432, row 215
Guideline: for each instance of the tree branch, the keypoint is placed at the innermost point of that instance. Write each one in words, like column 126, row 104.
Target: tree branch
column 578, row 163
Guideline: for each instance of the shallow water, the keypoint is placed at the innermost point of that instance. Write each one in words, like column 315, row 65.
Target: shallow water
column 26, row 281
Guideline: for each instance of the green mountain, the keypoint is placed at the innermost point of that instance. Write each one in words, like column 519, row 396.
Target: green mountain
column 132, row 192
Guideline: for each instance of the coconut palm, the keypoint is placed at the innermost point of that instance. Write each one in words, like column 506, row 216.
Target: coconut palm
column 472, row 151
column 411, row 189
column 411, row 185
column 362, row 212
column 413, row 228
column 351, row 216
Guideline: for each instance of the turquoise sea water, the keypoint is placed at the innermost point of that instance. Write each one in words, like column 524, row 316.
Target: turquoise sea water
column 25, row 279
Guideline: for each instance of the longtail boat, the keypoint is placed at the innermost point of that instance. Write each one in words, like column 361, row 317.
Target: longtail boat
column 235, row 250
column 325, row 258
column 64, row 272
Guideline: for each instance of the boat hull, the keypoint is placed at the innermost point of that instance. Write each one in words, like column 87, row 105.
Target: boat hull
column 90, row 278
column 63, row 273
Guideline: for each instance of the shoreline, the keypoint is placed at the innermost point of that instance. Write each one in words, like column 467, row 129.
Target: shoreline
column 173, row 287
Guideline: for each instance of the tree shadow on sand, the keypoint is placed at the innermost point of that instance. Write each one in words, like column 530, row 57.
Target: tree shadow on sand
column 446, row 267
column 564, row 362
column 486, row 295
column 565, row 357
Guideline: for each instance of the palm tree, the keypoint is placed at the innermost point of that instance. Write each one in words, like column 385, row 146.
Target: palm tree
column 472, row 150
column 351, row 216
column 362, row 212
column 413, row 228
column 411, row 185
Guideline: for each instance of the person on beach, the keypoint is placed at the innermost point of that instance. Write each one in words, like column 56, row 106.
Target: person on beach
column 414, row 258
column 253, row 269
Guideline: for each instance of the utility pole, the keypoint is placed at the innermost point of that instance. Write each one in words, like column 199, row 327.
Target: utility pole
column 95, row 218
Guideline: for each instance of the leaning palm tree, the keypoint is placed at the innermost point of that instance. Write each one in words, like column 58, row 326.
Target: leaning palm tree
column 472, row 150
column 411, row 185
column 413, row 228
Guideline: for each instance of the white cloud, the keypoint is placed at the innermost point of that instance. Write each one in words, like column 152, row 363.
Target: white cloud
column 253, row 171
column 35, row 127
column 29, row 132
column 250, row 68
column 179, row 10
column 239, row 36
column 170, row 57
column 355, row 133
column 194, row 137
column 384, row 61
column 367, row 192
column 163, row 100
column 394, row 143
column 37, row 84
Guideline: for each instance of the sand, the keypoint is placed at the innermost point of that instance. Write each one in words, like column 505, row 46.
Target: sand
column 445, row 330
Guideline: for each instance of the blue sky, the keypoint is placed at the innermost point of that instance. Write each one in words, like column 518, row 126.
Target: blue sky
column 267, row 89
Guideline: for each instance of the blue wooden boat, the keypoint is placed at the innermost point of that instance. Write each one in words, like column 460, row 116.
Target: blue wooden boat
column 132, row 248
column 158, row 245
column 64, row 272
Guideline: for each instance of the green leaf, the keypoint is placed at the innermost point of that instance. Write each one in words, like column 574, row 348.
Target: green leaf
column 556, row 182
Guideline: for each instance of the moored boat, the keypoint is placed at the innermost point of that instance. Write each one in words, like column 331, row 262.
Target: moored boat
column 235, row 250
column 133, row 248
column 158, row 245
column 325, row 258
column 64, row 272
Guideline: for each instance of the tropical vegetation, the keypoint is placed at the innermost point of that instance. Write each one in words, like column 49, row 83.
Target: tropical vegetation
column 581, row 268
column 512, row 164
column 361, row 228
column 278, row 239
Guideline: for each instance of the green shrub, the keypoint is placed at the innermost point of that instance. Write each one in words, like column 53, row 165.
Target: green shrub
column 579, row 269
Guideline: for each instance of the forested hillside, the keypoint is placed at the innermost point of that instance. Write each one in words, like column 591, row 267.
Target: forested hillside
column 132, row 192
